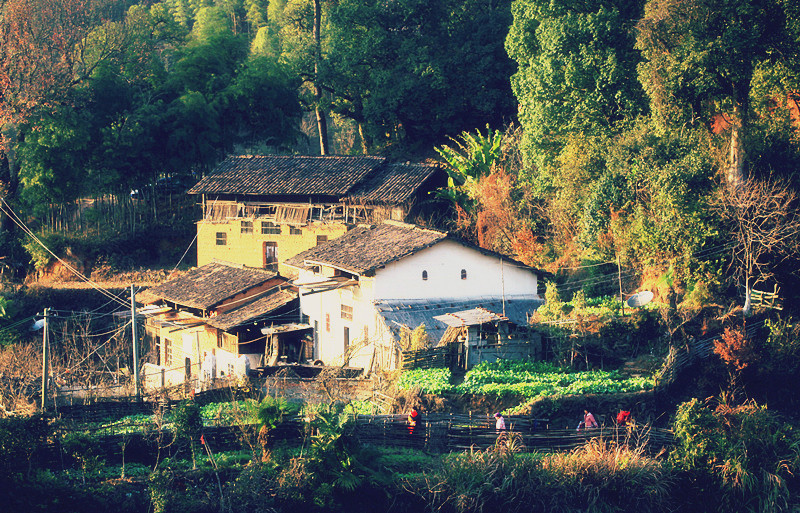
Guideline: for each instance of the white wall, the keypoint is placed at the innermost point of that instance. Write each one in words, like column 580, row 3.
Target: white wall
column 444, row 262
column 330, row 344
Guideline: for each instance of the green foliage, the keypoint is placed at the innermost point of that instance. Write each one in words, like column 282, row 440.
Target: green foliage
column 538, row 379
column 187, row 420
column 21, row 440
column 429, row 381
column 396, row 68
column 82, row 448
column 527, row 380
column 599, row 476
column 576, row 72
column 749, row 453
column 472, row 158
column 272, row 410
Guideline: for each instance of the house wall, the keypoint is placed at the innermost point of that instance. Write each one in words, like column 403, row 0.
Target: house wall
column 370, row 344
column 248, row 248
column 190, row 342
column 402, row 280
column 485, row 275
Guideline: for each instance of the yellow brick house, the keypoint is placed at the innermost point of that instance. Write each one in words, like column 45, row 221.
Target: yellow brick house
column 262, row 210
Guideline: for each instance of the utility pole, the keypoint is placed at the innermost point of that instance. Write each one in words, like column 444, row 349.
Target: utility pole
column 45, row 358
column 135, row 346
column 619, row 278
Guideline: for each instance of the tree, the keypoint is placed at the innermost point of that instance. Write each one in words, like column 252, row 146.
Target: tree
column 38, row 43
column 764, row 225
column 396, row 69
column 576, row 72
column 701, row 57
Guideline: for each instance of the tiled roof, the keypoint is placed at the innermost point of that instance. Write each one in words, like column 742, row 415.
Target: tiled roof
column 414, row 312
column 394, row 183
column 287, row 175
column 253, row 310
column 207, row 286
column 366, row 248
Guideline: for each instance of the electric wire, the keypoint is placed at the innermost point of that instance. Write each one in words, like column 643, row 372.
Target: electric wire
column 6, row 209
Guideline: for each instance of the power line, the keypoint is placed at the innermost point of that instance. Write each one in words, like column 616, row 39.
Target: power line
column 6, row 208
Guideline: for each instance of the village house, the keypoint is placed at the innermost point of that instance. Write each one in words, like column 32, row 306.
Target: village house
column 261, row 210
column 217, row 321
column 361, row 289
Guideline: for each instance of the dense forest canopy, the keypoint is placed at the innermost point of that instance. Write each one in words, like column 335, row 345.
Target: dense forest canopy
column 629, row 131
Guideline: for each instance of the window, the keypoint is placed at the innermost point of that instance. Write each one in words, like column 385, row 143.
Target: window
column 347, row 343
column 247, row 226
column 424, row 275
column 167, row 352
column 463, row 274
column 222, row 238
column 270, row 228
column 321, row 239
column 328, row 322
column 347, row 312
column 293, row 230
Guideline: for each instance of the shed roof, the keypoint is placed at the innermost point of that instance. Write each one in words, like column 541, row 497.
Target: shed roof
column 471, row 317
column 207, row 286
column 253, row 310
column 414, row 312
column 366, row 248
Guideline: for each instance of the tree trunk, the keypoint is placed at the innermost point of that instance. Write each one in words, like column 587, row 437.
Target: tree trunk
column 736, row 160
column 322, row 122
column 747, row 298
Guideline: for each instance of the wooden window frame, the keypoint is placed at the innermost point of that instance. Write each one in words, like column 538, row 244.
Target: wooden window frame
column 246, row 226
column 270, row 228
column 222, row 239
column 347, row 312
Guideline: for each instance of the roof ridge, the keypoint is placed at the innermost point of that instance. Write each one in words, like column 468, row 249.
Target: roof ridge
column 411, row 226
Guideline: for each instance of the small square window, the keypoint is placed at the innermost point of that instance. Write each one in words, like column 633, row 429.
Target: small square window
column 295, row 231
column 247, row 226
column 270, row 228
column 347, row 312
column 222, row 238
column 322, row 239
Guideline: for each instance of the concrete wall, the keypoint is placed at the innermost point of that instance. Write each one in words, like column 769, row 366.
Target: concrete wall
column 485, row 275
column 370, row 344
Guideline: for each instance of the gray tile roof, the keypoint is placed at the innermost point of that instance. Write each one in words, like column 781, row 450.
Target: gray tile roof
column 413, row 312
column 472, row 317
column 253, row 310
column 395, row 183
column 366, row 248
column 287, row 175
column 207, row 286
column 357, row 179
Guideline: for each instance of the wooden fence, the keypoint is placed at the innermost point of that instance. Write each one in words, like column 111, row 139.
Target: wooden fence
column 436, row 433
column 681, row 357
column 451, row 356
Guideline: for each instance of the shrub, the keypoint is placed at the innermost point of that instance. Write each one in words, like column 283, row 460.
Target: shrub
column 745, row 451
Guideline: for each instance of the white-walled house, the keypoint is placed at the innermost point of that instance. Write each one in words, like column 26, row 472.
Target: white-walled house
column 358, row 290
